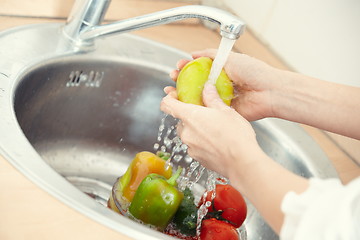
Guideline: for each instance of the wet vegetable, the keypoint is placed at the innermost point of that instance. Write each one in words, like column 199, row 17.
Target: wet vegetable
column 142, row 165
column 192, row 78
column 156, row 200
column 213, row 229
column 228, row 205
column 185, row 218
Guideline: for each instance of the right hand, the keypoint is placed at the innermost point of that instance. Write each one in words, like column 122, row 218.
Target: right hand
column 254, row 82
column 216, row 135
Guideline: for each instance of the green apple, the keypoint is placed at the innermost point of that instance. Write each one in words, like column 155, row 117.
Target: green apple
column 192, row 78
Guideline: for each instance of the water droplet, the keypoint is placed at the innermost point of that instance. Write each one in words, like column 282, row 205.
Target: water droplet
column 188, row 159
column 177, row 158
column 163, row 148
column 156, row 146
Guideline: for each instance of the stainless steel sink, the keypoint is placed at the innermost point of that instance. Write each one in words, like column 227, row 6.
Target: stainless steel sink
column 71, row 122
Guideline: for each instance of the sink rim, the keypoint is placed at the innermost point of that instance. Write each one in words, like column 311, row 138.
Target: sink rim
column 19, row 152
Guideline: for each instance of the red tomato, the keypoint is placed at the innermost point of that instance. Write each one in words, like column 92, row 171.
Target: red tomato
column 228, row 205
column 213, row 229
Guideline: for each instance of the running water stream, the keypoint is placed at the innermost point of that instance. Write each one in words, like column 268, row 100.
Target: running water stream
column 220, row 59
column 168, row 141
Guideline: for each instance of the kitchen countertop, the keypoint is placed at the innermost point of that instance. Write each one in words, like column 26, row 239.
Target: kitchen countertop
column 28, row 212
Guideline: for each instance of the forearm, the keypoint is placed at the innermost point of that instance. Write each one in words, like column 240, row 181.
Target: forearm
column 265, row 183
column 329, row 106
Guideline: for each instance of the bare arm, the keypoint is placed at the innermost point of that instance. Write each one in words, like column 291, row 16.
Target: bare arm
column 325, row 105
column 265, row 184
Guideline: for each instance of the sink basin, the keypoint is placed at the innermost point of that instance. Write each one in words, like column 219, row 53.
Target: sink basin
column 74, row 121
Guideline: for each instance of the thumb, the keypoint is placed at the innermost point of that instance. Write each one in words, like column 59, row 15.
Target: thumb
column 211, row 97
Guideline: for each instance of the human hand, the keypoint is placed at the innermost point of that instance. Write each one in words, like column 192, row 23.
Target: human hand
column 216, row 135
column 254, row 83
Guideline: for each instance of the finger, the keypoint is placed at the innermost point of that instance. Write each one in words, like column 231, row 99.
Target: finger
column 174, row 74
column 169, row 89
column 211, row 53
column 211, row 97
column 181, row 63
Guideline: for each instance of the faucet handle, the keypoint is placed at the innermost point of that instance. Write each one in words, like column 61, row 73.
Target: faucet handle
column 232, row 30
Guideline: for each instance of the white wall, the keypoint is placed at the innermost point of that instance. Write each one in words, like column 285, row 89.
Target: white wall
column 320, row 38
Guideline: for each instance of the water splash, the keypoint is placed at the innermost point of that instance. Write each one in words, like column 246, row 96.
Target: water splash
column 169, row 141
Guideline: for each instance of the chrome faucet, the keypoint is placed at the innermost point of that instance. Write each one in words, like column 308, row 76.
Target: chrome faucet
column 84, row 22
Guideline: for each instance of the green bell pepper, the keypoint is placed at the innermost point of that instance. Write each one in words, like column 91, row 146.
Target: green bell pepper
column 156, row 200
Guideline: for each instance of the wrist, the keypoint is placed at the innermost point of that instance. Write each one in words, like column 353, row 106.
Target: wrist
column 246, row 165
column 291, row 95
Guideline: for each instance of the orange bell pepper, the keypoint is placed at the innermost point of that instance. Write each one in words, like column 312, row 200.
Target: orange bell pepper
column 142, row 165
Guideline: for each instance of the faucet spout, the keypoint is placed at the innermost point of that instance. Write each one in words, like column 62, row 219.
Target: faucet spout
column 85, row 26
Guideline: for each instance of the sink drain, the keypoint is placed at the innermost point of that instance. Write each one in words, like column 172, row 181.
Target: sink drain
column 90, row 79
column 96, row 189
